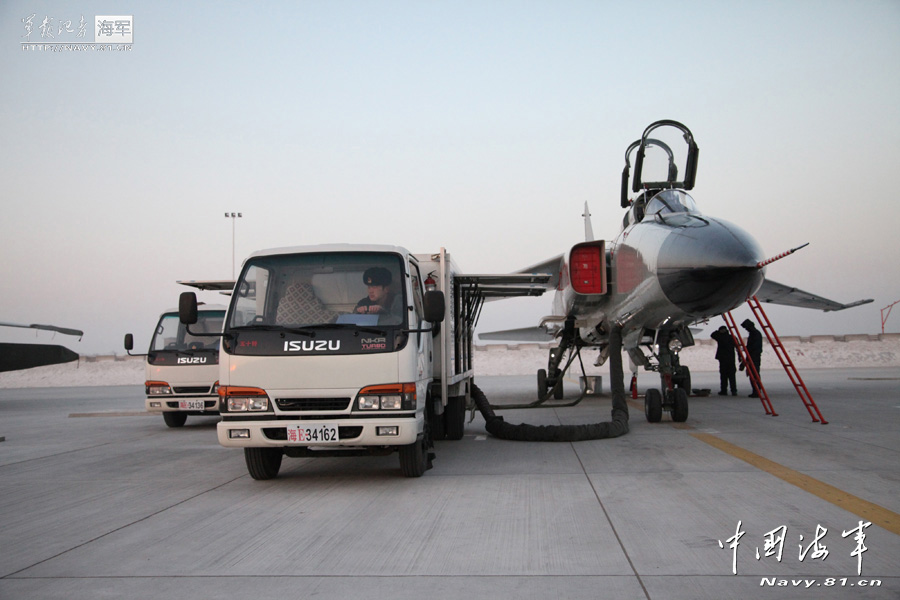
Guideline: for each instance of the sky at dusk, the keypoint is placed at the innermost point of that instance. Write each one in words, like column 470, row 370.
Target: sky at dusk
column 481, row 127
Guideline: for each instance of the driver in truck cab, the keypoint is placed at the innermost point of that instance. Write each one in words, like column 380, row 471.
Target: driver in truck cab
column 379, row 299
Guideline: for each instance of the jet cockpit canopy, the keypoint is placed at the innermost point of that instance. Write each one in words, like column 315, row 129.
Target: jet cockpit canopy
column 660, row 159
column 669, row 202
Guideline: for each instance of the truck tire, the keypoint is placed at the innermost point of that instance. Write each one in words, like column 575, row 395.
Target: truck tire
column 263, row 463
column 438, row 429
column 174, row 419
column 455, row 418
column 414, row 458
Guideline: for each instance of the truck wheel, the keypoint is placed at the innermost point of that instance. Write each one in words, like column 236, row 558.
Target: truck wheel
column 455, row 418
column 263, row 463
column 414, row 458
column 174, row 419
column 438, row 429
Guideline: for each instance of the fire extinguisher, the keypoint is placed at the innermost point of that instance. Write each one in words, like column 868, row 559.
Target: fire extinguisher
column 430, row 283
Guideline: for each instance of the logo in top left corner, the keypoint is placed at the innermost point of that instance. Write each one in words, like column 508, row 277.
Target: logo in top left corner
column 113, row 29
column 73, row 32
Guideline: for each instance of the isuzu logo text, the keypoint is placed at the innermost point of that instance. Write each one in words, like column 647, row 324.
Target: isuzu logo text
column 312, row 346
column 192, row 360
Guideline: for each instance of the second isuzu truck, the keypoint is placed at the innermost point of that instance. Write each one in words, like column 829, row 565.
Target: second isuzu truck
column 182, row 369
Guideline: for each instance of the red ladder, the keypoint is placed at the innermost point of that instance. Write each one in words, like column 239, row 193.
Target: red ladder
column 786, row 361
column 744, row 356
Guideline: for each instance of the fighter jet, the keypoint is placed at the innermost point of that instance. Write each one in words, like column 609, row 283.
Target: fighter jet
column 670, row 266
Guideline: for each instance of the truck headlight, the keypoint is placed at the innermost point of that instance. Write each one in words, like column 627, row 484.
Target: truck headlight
column 243, row 399
column 391, row 402
column 369, row 402
column 157, row 388
column 398, row 396
column 242, row 404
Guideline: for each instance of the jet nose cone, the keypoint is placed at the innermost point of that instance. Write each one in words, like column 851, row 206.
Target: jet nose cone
column 709, row 269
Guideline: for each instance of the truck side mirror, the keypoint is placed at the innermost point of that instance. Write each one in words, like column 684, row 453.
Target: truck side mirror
column 435, row 306
column 187, row 308
column 129, row 345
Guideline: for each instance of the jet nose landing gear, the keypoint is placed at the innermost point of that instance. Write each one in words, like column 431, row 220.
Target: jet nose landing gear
column 675, row 402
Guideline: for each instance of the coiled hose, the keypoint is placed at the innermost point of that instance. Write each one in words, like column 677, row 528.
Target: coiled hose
column 497, row 427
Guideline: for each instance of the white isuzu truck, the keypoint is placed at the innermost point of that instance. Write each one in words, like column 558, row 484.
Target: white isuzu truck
column 182, row 369
column 338, row 350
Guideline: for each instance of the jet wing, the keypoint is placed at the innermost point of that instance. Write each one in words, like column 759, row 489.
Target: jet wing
column 64, row 330
column 524, row 334
column 777, row 293
column 551, row 267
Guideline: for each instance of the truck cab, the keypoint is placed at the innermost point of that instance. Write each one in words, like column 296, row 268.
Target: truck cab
column 182, row 368
column 329, row 351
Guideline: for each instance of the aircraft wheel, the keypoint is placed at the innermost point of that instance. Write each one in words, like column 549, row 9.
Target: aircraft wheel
column 455, row 418
column 653, row 405
column 414, row 458
column 174, row 419
column 263, row 463
column 542, row 382
column 680, row 405
column 684, row 379
column 558, row 390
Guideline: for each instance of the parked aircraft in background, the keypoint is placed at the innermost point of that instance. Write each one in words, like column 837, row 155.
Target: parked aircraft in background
column 16, row 356
column 670, row 267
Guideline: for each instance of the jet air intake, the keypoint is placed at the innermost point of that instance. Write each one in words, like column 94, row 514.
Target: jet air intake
column 587, row 267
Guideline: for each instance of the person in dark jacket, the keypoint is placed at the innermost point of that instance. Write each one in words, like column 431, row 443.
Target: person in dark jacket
column 754, row 349
column 727, row 365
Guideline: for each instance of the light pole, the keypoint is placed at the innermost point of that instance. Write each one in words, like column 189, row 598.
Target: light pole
column 234, row 217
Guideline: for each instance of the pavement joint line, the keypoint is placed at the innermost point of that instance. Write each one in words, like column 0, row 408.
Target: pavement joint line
column 119, row 413
column 612, row 525
column 117, row 529
column 877, row 515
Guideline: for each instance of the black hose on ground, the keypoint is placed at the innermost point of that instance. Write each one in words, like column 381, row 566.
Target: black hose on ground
column 497, row 427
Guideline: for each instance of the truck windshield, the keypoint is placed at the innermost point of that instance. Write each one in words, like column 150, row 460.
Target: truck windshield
column 308, row 290
column 171, row 334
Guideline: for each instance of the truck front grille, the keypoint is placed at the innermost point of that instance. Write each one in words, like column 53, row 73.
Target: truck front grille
column 311, row 404
column 191, row 390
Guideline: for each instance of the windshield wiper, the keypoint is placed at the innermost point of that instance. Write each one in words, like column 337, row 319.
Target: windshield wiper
column 262, row 327
column 362, row 328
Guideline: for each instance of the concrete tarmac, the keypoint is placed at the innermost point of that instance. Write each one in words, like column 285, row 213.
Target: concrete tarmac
column 100, row 500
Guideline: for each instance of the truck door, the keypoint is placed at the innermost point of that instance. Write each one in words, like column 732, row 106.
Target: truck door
column 423, row 340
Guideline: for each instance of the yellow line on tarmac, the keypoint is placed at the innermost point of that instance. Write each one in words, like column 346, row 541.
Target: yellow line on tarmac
column 864, row 509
